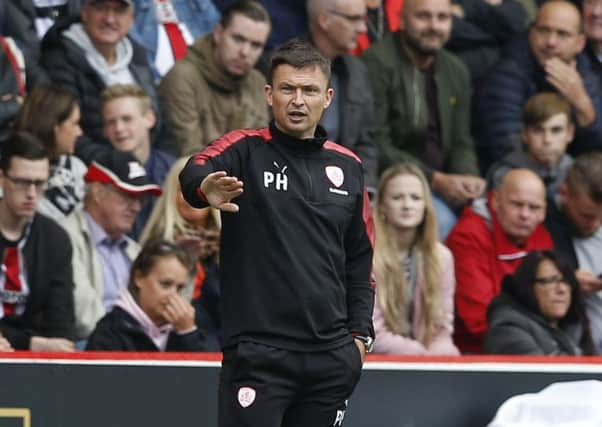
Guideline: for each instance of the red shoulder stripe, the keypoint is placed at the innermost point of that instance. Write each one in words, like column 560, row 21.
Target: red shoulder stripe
column 222, row 143
column 329, row 145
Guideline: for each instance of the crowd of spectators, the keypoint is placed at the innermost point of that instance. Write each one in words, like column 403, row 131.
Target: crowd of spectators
column 478, row 123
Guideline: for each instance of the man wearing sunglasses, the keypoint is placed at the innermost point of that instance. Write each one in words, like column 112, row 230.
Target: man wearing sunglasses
column 36, row 301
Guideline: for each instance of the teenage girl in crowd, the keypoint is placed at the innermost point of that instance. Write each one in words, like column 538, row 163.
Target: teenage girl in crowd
column 151, row 315
column 413, row 311
column 198, row 230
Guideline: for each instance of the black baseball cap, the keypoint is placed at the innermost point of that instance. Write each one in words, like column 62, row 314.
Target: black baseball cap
column 124, row 171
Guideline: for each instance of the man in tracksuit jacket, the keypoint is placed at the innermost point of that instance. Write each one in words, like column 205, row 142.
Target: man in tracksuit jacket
column 296, row 255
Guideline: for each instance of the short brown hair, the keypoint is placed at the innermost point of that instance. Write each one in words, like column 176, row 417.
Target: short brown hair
column 21, row 144
column 118, row 91
column 249, row 8
column 542, row 106
column 298, row 53
column 585, row 176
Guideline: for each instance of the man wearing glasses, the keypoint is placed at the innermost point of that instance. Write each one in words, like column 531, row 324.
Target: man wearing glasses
column 334, row 28
column 103, row 253
column 549, row 59
column 36, row 300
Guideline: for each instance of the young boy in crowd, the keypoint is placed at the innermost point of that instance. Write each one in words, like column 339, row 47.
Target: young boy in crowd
column 547, row 130
column 128, row 118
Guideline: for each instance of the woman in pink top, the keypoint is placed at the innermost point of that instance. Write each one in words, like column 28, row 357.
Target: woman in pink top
column 413, row 313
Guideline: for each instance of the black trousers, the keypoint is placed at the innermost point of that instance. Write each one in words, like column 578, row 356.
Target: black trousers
column 263, row 386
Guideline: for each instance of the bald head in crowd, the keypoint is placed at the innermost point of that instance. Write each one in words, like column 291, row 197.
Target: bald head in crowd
column 426, row 25
column 557, row 32
column 335, row 25
column 520, row 204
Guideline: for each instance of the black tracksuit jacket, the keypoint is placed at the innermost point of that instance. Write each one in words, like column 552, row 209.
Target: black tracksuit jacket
column 296, row 259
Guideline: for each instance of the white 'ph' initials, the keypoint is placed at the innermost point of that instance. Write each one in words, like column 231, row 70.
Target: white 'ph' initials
column 279, row 179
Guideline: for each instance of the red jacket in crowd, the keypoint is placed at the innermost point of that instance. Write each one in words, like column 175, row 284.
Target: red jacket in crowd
column 483, row 255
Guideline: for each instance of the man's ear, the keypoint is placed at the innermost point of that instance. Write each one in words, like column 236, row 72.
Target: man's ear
column 96, row 190
column 323, row 20
column 267, row 89
column 329, row 96
column 150, row 118
column 218, row 31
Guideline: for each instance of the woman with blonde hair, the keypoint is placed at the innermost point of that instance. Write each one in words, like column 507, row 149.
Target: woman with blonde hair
column 173, row 218
column 413, row 313
column 198, row 230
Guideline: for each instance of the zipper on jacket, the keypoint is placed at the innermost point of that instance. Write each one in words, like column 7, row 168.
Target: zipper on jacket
column 417, row 97
column 309, row 180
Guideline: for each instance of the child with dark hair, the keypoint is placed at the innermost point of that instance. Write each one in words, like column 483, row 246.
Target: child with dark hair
column 548, row 129
column 540, row 311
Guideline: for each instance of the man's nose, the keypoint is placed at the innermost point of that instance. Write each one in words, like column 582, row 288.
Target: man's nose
column 245, row 50
column 552, row 39
column 525, row 212
column 547, row 137
column 298, row 99
column 31, row 192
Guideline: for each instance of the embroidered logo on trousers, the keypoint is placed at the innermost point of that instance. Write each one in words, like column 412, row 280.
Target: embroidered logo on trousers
column 338, row 421
column 246, row 396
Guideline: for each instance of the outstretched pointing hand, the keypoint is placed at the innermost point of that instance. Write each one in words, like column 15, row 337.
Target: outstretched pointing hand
column 219, row 189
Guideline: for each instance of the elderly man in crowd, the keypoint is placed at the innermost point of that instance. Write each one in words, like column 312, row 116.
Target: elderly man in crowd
column 334, row 28
column 102, row 251
column 488, row 242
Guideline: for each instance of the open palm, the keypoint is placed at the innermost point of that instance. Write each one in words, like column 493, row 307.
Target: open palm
column 219, row 190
